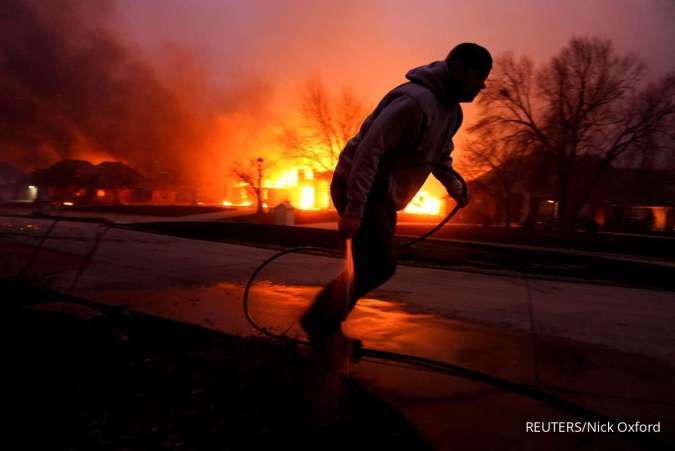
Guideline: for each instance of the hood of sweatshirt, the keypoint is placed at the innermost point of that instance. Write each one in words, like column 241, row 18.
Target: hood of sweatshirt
column 435, row 77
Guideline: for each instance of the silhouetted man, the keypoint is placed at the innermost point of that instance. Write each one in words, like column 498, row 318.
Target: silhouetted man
column 408, row 136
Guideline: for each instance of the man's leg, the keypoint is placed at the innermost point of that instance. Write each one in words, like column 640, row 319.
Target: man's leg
column 374, row 263
column 374, row 250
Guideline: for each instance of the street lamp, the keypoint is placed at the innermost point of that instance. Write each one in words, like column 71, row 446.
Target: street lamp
column 259, row 187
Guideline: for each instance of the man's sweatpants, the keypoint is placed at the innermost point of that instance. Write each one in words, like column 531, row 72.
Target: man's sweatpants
column 374, row 254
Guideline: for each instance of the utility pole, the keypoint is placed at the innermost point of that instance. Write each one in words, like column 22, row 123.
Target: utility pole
column 259, row 187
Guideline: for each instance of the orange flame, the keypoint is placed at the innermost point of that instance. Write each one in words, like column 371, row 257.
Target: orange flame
column 307, row 198
column 424, row 204
column 297, row 185
column 305, row 191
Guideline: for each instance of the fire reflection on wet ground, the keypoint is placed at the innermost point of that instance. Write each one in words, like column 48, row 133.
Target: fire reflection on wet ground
column 394, row 326
column 381, row 323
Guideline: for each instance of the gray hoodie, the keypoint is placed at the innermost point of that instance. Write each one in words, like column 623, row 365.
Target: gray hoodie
column 406, row 137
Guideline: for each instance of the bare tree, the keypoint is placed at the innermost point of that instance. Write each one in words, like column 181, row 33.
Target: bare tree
column 585, row 108
column 252, row 174
column 327, row 123
column 502, row 161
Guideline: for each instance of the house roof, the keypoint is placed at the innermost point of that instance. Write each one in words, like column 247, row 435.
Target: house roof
column 115, row 174
column 66, row 173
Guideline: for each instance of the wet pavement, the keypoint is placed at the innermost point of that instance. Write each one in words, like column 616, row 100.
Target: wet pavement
column 609, row 349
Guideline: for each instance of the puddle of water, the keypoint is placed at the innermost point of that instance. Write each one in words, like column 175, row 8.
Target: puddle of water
column 388, row 325
column 380, row 323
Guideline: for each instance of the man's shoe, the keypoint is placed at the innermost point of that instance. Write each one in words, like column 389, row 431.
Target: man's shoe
column 340, row 348
column 329, row 339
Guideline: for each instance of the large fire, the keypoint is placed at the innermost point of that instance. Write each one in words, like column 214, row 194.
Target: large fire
column 307, row 190
column 307, row 198
column 424, row 204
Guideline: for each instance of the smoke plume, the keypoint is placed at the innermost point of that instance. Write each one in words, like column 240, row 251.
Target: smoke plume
column 70, row 89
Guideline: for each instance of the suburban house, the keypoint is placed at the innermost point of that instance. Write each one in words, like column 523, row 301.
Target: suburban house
column 624, row 199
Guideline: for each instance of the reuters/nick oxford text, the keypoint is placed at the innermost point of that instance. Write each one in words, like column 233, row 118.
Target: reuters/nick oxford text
column 591, row 426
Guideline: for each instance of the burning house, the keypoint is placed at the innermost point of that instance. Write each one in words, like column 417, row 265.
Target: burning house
column 117, row 183
column 306, row 189
column 66, row 181
column 79, row 182
column 302, row 188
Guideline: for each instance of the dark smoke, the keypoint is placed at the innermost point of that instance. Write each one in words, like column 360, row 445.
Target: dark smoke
column 69, row 88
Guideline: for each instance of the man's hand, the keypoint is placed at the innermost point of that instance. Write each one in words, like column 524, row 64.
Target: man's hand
column 456, row 190
column 462, row 199
column 348, row 226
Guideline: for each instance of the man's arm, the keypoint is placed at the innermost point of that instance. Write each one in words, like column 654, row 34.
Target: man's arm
column 399, row 124
column 453, row 182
